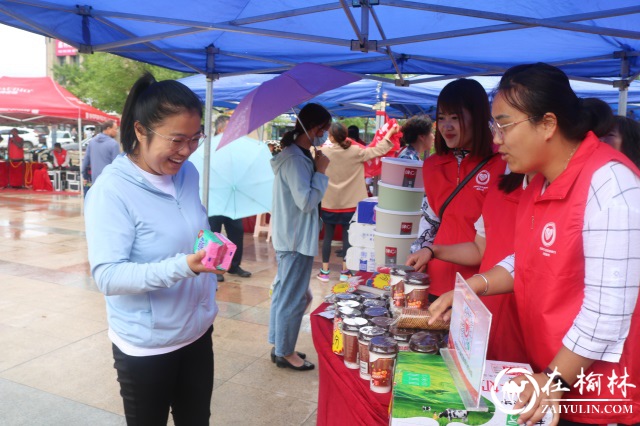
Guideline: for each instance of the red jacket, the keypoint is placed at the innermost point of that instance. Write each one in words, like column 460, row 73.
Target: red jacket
column 16, row 152
column 550, row 272
column 499, row 214
column 441, row 175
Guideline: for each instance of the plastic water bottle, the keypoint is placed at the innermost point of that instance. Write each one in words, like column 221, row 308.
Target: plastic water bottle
column 363, row 260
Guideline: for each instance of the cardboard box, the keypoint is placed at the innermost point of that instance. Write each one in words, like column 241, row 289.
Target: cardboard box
column 365, row 210
column 424, row 393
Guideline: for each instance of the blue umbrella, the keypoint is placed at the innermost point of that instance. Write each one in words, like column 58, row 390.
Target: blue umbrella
column 241, row 178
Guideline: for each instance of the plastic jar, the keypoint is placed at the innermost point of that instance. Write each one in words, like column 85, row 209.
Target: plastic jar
column 402, row 336
column 350, row 328
column 426, row 342
column 340, row 314
column 382, row 322
column 364, row 337
column 416, row 290
column 375, row 312
column 382, row 357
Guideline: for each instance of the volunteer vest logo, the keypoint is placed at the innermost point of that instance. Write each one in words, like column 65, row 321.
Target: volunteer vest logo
column 549, row 234
column 505, row 397
column 483, row 177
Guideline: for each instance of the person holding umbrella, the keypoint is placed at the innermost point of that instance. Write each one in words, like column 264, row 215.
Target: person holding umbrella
column 299, row 185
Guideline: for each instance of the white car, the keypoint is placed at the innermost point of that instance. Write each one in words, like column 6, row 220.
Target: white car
column 29, row 136
column 62, row 136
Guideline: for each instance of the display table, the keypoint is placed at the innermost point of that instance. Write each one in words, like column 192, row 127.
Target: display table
column 343, row 397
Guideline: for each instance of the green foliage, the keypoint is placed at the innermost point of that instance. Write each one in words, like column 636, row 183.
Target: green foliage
column 103, row 80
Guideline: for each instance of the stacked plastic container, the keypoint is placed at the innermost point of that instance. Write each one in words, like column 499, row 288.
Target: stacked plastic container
column 400, row 195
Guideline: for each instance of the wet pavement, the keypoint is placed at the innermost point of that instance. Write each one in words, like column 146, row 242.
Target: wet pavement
column 56, row 366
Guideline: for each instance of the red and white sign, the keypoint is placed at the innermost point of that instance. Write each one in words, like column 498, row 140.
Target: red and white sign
column 64, row 49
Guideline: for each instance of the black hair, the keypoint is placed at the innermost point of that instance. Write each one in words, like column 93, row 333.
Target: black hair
column 150, row 102
column 310, row 116
column 57, row 145
column 220, row 124
column 339, row 134
column 467, row 94
column 600, row 114
column 107, row 125
column 629, row 130
column 353, row 132
column 538, row 89
column 415, row 127
column 510, row 182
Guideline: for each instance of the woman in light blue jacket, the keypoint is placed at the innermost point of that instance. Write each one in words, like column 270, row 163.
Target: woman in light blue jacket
column 298, row 187
column 142, row 218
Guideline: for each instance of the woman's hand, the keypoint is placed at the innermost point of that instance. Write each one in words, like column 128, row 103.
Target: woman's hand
column 420, row 259
column 322, row 162
column 542, row 402
column 441, row 307
column 392, row 131
column 195, row 263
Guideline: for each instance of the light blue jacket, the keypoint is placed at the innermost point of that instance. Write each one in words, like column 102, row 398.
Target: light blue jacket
column 102, row 150
column 138, row 239
column 297, row 191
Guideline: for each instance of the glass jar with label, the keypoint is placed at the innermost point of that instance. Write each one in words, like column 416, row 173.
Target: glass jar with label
column 426, row 342
column 364, row 337
column 341, row 313
column 402, row 336
column 416, row 290
column 382, row 357
column 350, row 328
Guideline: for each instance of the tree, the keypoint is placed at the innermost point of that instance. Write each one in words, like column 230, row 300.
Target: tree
column 103, row 80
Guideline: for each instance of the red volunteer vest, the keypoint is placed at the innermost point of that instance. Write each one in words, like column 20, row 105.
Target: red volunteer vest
column 550, row 272
column 441, row 175
column 61, row 156
column 15, row 152
column 499, row 214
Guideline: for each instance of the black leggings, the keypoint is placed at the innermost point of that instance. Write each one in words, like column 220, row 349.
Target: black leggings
column 329, row 230
column 181, row 380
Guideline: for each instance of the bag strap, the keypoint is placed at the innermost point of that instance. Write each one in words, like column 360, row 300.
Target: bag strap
column 466, row 179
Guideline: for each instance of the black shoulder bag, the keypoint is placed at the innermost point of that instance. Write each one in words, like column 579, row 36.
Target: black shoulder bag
column 466, row 179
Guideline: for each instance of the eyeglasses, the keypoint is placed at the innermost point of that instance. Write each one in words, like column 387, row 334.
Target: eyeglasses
column 497, row 129
column 180, row 142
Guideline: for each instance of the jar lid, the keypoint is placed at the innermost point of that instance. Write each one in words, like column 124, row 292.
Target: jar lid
column 399, row 270
column 426, row 342
column 348, row 303
column 353, row 323
column 369, row 296
column 330, row 298
column 382, row 322
column 346, row 312
column 383, row 345
column 347, row 296
column 376, row 312
column 401, row 334
column 368, row 332
column 374, row 303
column 417, row 278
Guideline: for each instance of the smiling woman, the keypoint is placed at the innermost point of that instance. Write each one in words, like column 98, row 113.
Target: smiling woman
column 142, row 217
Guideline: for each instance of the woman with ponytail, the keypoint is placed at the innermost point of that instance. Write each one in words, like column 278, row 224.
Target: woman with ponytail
column 142, row 218
column 299, row 184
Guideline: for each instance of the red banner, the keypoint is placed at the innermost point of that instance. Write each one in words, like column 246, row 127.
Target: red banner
column 64, row 49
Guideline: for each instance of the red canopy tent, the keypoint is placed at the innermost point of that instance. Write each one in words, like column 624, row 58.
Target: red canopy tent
column 42, row 100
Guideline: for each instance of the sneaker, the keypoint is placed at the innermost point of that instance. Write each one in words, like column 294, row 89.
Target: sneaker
column 239, row 272
column 345, row 275
column 323, row 275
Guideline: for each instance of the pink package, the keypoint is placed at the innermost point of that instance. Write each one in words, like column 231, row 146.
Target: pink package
column 219, row 250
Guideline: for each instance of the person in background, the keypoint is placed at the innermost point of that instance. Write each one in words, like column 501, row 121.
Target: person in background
column 463, row 148
column 60, row 157
column 417, row 136
column 624, row 136
column 346, row 188
column 102, row 150
column 576, row 269
column 142, row 218
column 16, row 159
column 299, row 185
column 233, row 227
column 353, row 133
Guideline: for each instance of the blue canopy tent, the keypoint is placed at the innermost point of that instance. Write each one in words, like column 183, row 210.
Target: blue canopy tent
column 586, row 39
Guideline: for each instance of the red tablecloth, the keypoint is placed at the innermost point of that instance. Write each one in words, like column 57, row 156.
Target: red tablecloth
column 343, row 397
column 4, row 174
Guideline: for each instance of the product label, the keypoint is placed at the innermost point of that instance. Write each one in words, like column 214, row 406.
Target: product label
column 397, row 294
column 381, row 371
column 405, row 228
column 363, row 355
column 350, row 350
column 417, row 298
column 390, row 255
column 363, row 261
column 337, row 345
column 409, row 180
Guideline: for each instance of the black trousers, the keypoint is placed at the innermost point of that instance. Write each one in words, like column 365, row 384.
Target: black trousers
column 329, row 230
column 181, row 380
column 235, row 232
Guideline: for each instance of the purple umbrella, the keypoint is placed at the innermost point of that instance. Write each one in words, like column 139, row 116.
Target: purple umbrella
column 276, row 96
